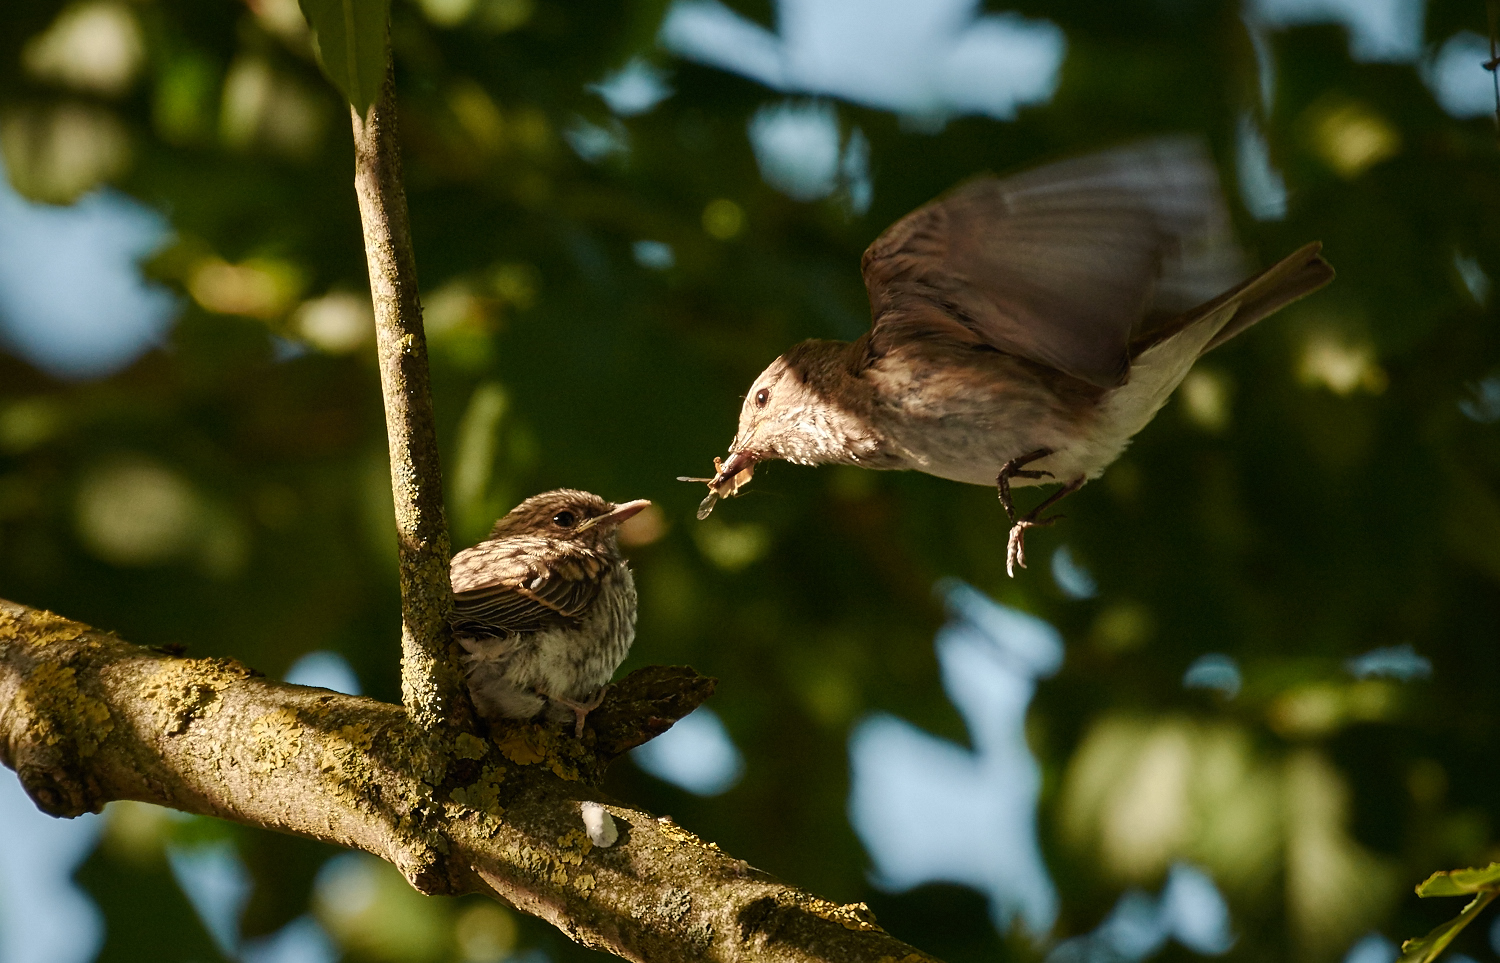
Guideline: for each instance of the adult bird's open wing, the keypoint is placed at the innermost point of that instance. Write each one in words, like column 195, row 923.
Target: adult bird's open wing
column 1064, row 265
column 512, row 585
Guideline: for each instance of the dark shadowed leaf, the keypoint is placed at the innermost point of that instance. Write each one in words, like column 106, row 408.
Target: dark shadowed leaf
column 349, row 37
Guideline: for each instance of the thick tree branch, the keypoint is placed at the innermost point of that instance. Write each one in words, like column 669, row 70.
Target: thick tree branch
column 86, row 718
column 431, row 681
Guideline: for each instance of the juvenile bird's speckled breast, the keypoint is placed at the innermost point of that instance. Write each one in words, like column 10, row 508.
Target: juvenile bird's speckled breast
column 564, row 661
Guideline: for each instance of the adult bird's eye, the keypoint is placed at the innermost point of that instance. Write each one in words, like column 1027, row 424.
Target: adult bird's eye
column 564, row 519
column 762, row 396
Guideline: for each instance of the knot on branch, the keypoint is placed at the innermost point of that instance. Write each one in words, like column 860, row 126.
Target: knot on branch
column 425, row 868
column 59, row 789
column 50, row 722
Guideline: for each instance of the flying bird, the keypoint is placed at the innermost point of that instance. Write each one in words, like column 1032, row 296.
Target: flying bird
column 1023, row 330
column 545, row 607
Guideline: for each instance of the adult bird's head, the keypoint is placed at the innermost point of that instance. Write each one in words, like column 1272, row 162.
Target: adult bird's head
column 568, row 514
column 803, row 409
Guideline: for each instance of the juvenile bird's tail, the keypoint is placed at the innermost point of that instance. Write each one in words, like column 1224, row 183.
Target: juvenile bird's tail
column 1293, row 277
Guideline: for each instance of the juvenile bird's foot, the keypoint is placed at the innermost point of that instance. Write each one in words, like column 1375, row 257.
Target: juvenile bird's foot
column 581, row 709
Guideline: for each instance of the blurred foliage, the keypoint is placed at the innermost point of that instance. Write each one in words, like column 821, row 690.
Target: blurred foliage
column 1315, row 492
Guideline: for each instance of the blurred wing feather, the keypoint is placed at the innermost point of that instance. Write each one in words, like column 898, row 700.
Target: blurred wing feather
column 1063, row 265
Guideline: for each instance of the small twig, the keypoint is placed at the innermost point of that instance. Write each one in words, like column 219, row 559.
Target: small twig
column 1493, row 8
column 431, row 682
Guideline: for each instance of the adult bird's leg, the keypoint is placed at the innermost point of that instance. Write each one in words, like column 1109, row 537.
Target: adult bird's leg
column 1015, row 546
column 580, row 709
column 1014, row 469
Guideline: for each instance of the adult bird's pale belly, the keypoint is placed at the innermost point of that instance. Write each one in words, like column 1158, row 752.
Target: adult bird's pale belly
column 959, row 420
column 954, row 430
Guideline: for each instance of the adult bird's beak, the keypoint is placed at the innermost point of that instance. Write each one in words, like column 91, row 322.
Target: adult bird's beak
column 730, row 475
column 616, row 516
column 729, row 470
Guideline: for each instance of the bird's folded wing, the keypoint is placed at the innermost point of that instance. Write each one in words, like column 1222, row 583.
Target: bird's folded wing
column 510, row 586
column 1062, row 264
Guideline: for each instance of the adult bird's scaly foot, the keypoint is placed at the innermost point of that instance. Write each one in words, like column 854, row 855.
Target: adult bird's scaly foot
column 1015, row 544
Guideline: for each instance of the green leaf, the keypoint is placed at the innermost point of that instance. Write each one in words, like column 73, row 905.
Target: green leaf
column 350, row 39
column 1461, row 882
column 1426, row 948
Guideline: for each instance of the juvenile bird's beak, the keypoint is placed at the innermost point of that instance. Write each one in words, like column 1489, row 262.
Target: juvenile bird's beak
column 617, row 516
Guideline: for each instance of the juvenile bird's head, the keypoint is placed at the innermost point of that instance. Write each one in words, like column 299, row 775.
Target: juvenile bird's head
column 568, row 515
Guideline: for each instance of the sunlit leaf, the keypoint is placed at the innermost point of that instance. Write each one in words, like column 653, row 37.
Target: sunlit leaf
column 1459, row 882
column 1427, row 948
column 350, row 39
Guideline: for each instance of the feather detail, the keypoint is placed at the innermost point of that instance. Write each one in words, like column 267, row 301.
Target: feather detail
column 545, row 608
column 1062, row 265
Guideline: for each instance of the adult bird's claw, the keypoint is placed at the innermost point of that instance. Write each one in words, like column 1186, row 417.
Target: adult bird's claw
column 1016, row 468
column 1015, row 544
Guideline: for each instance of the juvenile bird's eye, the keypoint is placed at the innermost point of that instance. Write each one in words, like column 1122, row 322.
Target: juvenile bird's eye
column 762, row 396
column 564, row 519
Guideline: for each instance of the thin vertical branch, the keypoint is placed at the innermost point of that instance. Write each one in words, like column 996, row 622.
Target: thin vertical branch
column 431, row 683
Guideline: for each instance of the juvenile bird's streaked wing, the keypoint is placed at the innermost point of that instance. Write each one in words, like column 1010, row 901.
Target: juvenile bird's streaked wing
column 1064, row 265
column 505, row 587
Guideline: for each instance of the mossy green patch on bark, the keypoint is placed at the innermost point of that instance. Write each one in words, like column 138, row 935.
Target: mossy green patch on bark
column 277, row 738
column 483, row 794
column 39, row 627
column 60, row 709
column 470, row 746
column 526, row 744
column 184, row 691
column 573, row 845
column 346, row 757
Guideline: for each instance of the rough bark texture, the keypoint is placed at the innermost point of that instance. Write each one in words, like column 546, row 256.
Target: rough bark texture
column 86, row 718
column 431, row 682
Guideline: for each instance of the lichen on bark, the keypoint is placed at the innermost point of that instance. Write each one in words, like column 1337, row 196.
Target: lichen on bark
column 88, row 718
column 431, row 680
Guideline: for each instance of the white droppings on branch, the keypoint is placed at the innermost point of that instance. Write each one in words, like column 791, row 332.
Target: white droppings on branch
column 599, row 825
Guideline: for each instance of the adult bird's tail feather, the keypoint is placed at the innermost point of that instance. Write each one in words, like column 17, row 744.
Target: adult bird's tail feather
column 1292, row 278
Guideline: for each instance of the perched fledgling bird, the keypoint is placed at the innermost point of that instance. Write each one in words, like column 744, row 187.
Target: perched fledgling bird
column 1024, row 329
column 545, row 607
